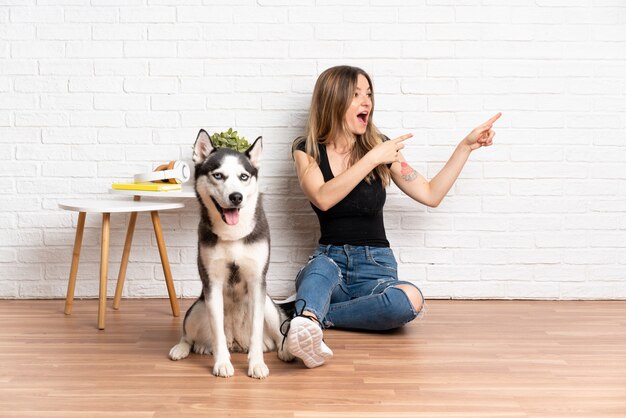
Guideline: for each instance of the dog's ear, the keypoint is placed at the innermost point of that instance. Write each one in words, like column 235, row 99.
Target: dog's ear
column 254, row 152
column 202, row 147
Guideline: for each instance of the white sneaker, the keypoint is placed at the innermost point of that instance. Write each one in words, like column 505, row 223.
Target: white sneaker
column 304, row 341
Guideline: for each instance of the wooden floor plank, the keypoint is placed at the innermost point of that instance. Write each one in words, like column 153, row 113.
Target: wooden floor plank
column 463, row 359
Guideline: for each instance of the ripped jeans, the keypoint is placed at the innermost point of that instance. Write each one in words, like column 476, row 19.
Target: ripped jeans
column 353, row 287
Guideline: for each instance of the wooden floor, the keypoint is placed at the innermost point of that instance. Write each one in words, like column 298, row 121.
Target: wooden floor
column 463, row 359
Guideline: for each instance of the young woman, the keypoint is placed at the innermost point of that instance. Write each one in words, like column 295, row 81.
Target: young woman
column 344, row 164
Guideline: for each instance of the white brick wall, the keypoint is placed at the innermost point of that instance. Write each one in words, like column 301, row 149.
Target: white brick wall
column 92, row 92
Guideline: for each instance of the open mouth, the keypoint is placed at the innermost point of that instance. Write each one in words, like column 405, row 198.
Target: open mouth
column 363, row 117
column 229, row 215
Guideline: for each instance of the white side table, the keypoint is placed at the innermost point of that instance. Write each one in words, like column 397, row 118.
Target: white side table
column 106, row 207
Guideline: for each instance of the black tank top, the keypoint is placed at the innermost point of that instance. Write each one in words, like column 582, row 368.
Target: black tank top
column 358, row 218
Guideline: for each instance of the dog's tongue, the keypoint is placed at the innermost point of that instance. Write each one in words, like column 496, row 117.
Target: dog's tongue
column 231, row 216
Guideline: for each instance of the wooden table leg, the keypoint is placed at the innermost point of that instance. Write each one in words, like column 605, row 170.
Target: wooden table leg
column 104, row 268
column 156, row 222
column 121, row 277
column 78, row 242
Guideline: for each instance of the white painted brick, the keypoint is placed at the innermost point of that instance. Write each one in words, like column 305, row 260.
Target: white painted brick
column 452, row 274
column 453, row 32
column 178, row 67
column 66, row 101
column 248, row 15
column 152, row 119
column 92, row 14
column 16, row 204
column 38, row 49
column 595, row 222
column 121, row 67
column 478, row 290
column 204, row 119
column 592, row 290
column 96, row 119
column 117, row 32
column 21, row 238
column 39, row 84
column 156, row 153
column 427, row 85
column 68, row 169
column 63, row 32
column 174, row 32
column 124, row 136
column 479, row 223
column 507, row 273
column 42, row 153
column 285, row 32
column 110, row 91
column 8, row 220
column 543, row 187
column 425, row 14
column 19, row 67
column 7, row 153
column 560, row 273
column 352, row 32
column 535, row 223
column 151, row 85
column 7, row 255
column 17, row 32
column 102, row 152
column 95, row 85
column 39, row 14
column 460, row 205
column 94, row 49
column 154, row 14
column 46, row 119
column 121, row 102
column 591, row 187
column 208, row 14
column 323, row 15
column 318, row 49
column 450, row 240
column 507, row 240
column 609, row 273
column 68, row 136
column 149, row 49
column 532, row 290
column 178, row 102
column 247, row 118
column 398, row 32
column 481, row 257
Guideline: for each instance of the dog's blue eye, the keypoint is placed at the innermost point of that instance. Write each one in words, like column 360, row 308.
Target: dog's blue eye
column 244, row 177
column 218, row 176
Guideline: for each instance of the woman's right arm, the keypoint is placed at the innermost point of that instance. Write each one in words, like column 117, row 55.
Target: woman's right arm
column 325, row 195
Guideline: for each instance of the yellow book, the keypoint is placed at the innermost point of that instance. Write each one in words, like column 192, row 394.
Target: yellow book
column 149, row 186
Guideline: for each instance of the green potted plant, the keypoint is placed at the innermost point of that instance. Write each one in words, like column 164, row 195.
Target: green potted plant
column 229, row 139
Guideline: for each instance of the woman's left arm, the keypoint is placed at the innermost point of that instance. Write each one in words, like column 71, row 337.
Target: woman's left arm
column 431, row 193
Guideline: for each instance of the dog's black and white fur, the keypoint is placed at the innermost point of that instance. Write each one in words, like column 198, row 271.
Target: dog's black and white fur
column 233, row 313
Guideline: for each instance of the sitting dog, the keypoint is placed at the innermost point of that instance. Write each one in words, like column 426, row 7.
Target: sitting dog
column 233, row 313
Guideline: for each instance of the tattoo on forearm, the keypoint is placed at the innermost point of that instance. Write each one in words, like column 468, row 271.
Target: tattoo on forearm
column 408, row 174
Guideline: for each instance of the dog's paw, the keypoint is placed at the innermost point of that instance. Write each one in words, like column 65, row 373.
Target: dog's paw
column 223, row 369
column 180, row 350
column 285, row 355
column 201, row 349
column 258, row 370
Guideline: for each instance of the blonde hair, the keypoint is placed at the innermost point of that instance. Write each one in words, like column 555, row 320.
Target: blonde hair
column 331, row 99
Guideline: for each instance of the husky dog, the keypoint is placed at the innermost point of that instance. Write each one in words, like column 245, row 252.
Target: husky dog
column 233, row 313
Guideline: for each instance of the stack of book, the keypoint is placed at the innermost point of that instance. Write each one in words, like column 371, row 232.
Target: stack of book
column 149, row 186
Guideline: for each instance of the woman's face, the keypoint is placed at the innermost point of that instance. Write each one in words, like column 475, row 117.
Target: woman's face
column 358, row 114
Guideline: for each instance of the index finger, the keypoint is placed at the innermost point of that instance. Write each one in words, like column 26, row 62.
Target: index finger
column 493, row 119
column 402, row 138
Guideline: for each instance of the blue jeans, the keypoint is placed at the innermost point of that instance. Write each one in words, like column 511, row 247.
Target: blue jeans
column 353, row 287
